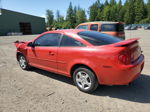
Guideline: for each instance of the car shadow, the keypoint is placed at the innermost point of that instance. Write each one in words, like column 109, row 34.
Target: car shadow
column 137, row 91
column 54, row 76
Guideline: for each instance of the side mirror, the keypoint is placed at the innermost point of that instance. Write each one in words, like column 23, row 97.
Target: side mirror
column 30, row 44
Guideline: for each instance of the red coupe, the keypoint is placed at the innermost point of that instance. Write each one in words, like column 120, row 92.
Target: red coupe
column 90, row 58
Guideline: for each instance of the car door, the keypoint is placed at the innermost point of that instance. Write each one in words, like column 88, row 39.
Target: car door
column 68, row 51
column 44, row 53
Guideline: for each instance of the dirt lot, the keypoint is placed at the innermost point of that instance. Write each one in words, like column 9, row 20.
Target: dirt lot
column 41, row 91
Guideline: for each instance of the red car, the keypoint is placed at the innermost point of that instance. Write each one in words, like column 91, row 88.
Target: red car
column 90, row 58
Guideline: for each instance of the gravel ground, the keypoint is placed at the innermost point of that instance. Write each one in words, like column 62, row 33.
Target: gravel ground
column 41, row 91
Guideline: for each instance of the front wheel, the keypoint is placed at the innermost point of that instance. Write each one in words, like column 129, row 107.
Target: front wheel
column 85, row 79
column 23, row 62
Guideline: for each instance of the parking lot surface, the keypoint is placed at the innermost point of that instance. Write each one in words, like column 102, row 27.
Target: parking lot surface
column 41, row 91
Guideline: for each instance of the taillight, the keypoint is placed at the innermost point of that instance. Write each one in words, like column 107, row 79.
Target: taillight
column 124, row 58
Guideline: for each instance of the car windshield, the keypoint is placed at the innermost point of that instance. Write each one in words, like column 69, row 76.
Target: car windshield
column 97, row 39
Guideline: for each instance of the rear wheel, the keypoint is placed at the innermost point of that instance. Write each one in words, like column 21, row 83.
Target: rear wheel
column 23, row 62
column 85, row 79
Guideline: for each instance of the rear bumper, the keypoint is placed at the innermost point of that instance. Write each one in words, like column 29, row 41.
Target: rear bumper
column 123, row 74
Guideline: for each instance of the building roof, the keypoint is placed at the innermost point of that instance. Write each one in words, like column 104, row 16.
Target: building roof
column 20, row 13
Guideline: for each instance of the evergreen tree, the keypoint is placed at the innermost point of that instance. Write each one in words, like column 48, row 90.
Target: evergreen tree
column 112, row 2
column 120, row 11
column 99, row 15
column 99, row 11
column 58, row 23
column 148, row 8
column 139, row 10
column 93, row 12
column 106, row 13
column 106, row 3
column 74, row 15
column 81, row 16
column 119, row 5
column 112, row 10
column 98, row 4
column 49, row 18
column 70, row 16
column 121, row 14
column 113, row 13
column 57, row 15
column 130, row 12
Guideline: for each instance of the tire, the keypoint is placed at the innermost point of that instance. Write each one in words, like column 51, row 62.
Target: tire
column 23, row 62
column 85, row 79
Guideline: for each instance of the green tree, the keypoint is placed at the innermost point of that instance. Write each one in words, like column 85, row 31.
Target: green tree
column 74, row 15
column 66, row 24
column 99, row 15
column 112, row 2
column 49, row 18
column 139, row 10
column 106, row 3
column 70, row 16
column 95, row 11
column 113, row 13
column 130, row 12
column 146, row 14
column 106, row 13
column 148, row 8
column 81, row 16
column 58, row 23
column 120, row 11
column 99, row 10
column 57, row 15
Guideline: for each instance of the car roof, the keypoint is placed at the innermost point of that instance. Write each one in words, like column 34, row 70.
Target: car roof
column 75, row 31
column 102, row 22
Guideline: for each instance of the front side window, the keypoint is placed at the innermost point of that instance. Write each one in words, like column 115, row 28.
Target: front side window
column 83, row 27
column 68, row 41
column 51, row 39
column 94, row 27
column 97, row 39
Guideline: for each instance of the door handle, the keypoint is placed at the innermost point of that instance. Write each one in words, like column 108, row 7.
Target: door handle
column 51, row 53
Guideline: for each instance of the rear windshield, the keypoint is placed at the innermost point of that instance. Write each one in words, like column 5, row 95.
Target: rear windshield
column 97, row 39
column 112, row 27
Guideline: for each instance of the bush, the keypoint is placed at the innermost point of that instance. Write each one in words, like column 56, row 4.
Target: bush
column 144, row 21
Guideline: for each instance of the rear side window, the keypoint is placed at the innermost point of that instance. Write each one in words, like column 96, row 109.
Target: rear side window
column 94, row 27
column 83, row 27
column 112, row 27
column 68, row 41
column 97, row 39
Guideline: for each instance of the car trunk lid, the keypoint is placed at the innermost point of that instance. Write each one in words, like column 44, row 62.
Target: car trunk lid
column 131, row 52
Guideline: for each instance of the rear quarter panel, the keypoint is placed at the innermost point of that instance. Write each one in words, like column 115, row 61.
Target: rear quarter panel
column 70, row 56
column 99, row 59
